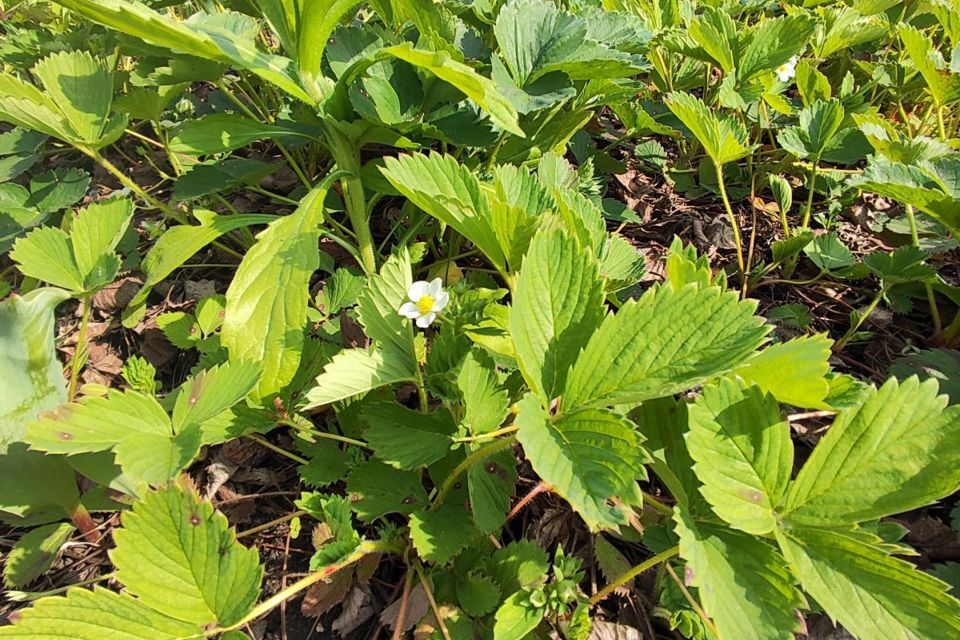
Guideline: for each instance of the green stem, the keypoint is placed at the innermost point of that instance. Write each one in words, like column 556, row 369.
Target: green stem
column 940, row 128
column 931, row 299
column 656, row 505
column 491, row 434
column 632, row 573
column 322, row 434
column 263, row 442
column 80, row 348
column 733, row 219
column 485, row 451
column 811, row 187
column 347, row 157
column 365, row 549
column 852, row 330
column 133, row 186
column 24, row 596
column 272, row 523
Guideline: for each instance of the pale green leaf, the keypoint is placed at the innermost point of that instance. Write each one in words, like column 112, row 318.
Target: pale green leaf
column 516, row 618
column 95, row 234
column 557, row 305
column 485, row 400
column 742, row 581
column 181, row 558
column 222, row 132
column 24, row 105
column 33, row 378
column 773, row 43
column 449, row 192
column 666, row 342
column 943, row 85
column 213, row 391
column 871, row 593
column 266, row 312
column 46, row 254
column 722, row 138
column 356, row 371
column 96, row 615
column 82, row 88
column 896, row 451
column 133, row 425
column 743, row 452
column 378, row 306
column 592, row 458
column 794, row 372
column 177, row 245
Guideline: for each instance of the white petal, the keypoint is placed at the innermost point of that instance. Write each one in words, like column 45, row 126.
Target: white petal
column 425, row 321
column 441, row 300
column 418, row 289
column 408, row 310
column 436, row 286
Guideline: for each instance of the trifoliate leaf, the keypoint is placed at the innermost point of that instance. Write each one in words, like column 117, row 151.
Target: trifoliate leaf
column 666, row 342
column 326, row 462
column 517, row 617
column 33, row 554
column 896, row 451
column 906, row 264
column 519, row 564
column 82, row 88
column 871, row 593
column 829, row 253
column 794, row 372
column 180, row 557
column 743, row 452
column 377, row 489
column 407, row 439
column 180, row 328
column 440, row 534
column 743, row 582
column 133, row 425
column 557, row 306
column 817, row 132
column 724, row 139
column 32, row 375
column 592, row 458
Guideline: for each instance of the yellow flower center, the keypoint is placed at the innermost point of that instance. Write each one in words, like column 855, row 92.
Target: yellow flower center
column 425, row 305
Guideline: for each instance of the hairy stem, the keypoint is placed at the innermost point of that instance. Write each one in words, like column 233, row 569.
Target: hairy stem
column 810, row 190
column 78, row 351
column 632, row 573
column 931, row 299
column 733, row 219
column 485, row 451
column 838, row 346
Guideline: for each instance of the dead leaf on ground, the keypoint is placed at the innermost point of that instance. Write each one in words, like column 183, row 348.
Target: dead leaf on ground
column 603, row 630
column 417, row 606
column 323, row 596
column 117, row 295
column 357, row 609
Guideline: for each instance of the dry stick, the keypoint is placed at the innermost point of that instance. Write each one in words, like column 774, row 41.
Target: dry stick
column 433, row 605
column 271, row 524
column 404, row 600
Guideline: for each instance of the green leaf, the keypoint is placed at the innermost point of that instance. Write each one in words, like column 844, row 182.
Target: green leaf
column 794, row 372
column 486, row 402
column 441, row 534
column 592, row 458
column 663, row 423
column 557, row 306
column 896, row 451
column 222, row 132
column 829, row 253
column 316, row 22
column 133, row 425
column 33, row 377
column 943, row 365
column 743, row 582
column 481, row 90
column 477, row 594
column 207, row 179
column 211, row 43
column 177, row 245
column 378, row 304
column 96, row 615
column 266, row 312
column 516, row 618
column 518, row 565
column 58, row 189
column 943, row 86
column 34, row 553
column 24, row 105
column 905, row 264
column 377, row 489
column 407, row 439
column 817, row 132
column 722, row 138
column 491, row 484
column 666, row 342
column 23, row 500
column 213, row 391
column 82, row 88
column 449, row 192
column 356, row 371
column 180, row 557
column 773, row 43
column 743, row 453
column 872, row 594
column 85, row 260
column 811, row 84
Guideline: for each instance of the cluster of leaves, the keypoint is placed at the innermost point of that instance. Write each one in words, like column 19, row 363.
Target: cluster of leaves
column 550, row 354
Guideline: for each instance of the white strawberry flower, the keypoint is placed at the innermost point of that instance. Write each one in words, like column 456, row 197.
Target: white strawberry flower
column 427, row 299
column 787, row 70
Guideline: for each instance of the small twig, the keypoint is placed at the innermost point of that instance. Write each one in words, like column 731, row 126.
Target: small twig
column 404, row 600
column 271, row 524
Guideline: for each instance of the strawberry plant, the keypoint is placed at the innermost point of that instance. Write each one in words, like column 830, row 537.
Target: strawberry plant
column 479, row 320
